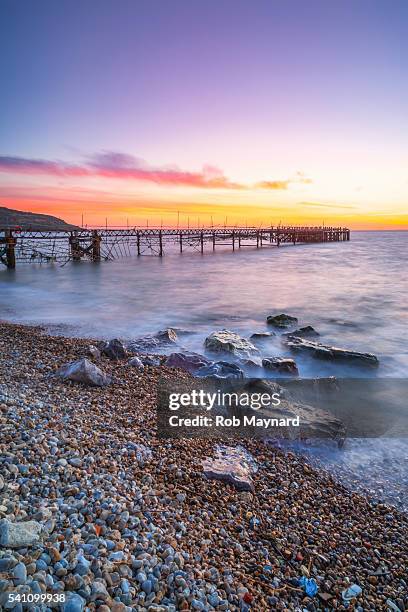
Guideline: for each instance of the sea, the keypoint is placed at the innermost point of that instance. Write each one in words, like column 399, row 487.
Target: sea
column 355, row 294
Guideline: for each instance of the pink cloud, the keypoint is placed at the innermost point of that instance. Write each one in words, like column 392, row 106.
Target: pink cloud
column 111, row 164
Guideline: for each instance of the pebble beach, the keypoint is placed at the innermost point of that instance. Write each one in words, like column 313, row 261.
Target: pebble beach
column 122, row 520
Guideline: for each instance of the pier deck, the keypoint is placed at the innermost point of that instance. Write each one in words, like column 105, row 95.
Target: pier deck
column 103, row 244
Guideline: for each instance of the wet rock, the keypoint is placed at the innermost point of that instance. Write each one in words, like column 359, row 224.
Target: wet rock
column 331, row 353
column 231, row 465
column 84, row 371
column 281, row 320
column 115, row 349
column 260, row 337
column 313, row 422
column 19, row 535
column 220, row 369
column 225, row 341
column 154, row 342
column 303, row 332
column 190, row 362
column 281, row 365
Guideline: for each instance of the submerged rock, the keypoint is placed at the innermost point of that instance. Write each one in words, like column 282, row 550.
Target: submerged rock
column 115, row 349
column 220, row 369
column 280, row 364
column 259, row 336
column 84, row 371
column 281, row 320
column 191, row 362
column 225, row 341
column 331, row 353
column 19, row 535
column 231, row 465
column 303, row 332
column 154, row 342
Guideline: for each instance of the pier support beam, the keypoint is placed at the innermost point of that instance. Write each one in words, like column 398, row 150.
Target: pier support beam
column 75, row 247
column 10, row 250
column 160, row 244
column 96, row 246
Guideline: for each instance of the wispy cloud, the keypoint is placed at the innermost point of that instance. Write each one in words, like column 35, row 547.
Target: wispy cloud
column 325, row 205
column 115, row 165
column 273, row 185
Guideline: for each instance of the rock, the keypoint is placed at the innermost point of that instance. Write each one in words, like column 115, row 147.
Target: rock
column 136, row 362
column 314, row 422
column 331, row 353
column 19, row 573
column 94, row 352
column 84, row 371
column 225, row 341
column 281, row 365
column 150, row 360
column 261, row 336
column 220, row 369
column 115, row 349
column 73, row 603
column 19, row 535
column 303, row 332
column 154, row 342
column 281, row 320
column 230, row 465
column 7, row 563
column 190, row 362
column 98, row 591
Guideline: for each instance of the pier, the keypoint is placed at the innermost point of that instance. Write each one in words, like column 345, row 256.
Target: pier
column 104, row 244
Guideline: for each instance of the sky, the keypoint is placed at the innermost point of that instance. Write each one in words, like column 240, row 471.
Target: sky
column 207, row 112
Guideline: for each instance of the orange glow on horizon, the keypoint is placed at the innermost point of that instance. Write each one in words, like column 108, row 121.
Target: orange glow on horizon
column 197, row 214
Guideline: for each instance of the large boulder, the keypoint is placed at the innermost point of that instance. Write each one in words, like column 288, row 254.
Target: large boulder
column 230, row 465
column 331, row 353
column 220, row 369
column 282, row 365
column 154, row 342
column 84, row 371
column 225, row 341
column 19, row 535
column 314, row 422
column 191, row 362
column 281, row 320
column 115, row 349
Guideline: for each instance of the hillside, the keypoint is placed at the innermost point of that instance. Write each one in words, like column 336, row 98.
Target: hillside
column 13, row 219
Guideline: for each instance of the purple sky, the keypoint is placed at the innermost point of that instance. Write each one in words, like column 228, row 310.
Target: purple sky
column 261, row 90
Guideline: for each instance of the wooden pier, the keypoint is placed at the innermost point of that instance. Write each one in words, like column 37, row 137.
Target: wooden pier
column 104, row 244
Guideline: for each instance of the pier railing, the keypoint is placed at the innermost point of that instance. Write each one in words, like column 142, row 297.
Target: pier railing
column 102, row 244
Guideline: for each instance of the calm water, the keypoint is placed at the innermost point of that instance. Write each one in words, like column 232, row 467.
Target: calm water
column 354, row 293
